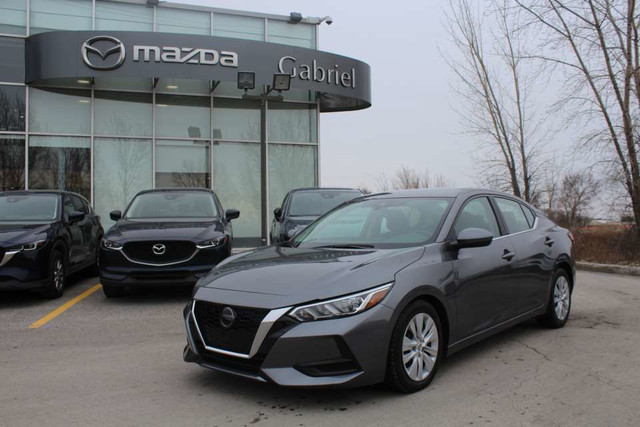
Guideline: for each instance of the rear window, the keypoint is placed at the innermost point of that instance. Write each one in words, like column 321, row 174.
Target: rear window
column 32, row 207
column 513, row 215
column 173, row 204
column 316, row 203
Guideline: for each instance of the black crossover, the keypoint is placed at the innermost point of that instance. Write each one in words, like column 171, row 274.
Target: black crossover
column 45, row 236
column 302, row 206
column 165, row 237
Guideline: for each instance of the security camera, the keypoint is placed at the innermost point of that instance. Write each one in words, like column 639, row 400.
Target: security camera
column 327, row 19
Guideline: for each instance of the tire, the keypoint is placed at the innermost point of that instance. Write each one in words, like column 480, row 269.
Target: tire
column 559, row 305
column 112, row 291
column 428, row 352
column 56, row 278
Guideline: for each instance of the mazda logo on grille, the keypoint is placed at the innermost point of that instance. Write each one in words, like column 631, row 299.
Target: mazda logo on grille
column 228, row 317
column 159, row 248
column 116, row 47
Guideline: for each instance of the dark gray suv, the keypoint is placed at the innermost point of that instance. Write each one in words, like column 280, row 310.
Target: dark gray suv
column 382, row 288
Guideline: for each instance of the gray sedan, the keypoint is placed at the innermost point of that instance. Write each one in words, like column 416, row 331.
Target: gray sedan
column 381, row 289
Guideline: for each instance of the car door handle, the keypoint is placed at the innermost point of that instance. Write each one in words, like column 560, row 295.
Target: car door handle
column 508, row 255
column 549, row 241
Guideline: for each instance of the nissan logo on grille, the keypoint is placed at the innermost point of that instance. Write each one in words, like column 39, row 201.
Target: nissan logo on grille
column 159, row 249
column 227, row 317
column 110, row 46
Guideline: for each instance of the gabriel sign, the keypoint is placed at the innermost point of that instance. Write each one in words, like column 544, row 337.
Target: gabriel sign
column 330, row 75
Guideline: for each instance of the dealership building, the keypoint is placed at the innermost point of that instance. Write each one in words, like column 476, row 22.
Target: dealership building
column 107, row 98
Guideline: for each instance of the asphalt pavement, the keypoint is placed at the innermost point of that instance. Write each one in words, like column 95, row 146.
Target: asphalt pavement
column 97, row 361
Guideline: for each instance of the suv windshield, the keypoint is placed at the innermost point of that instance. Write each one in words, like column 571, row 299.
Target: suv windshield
column 173, row 204
column 378, row 223
column 316, row 203
column 29, row 207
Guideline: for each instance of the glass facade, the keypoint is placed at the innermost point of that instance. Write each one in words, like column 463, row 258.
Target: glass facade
column 109, row 138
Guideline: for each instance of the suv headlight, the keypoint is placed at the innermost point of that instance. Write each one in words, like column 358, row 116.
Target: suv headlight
column 111, row 244
column 343, row 306
column 212, row 242
column 31, row 246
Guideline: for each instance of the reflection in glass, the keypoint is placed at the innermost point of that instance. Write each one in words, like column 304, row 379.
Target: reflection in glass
column 183, row 86
column 302, row 35
column 12, row 108
column 236, row 120
column 60, row 110
column 183, row 21
column 13, row 17
column 60, row 15
column 290, row 166
column 129, row 83
column 122, row 168
column 236, row 181
column 182, row 164
column 11, row 162
column 120, row 113
column 292, row 122
column 183, row 116
column 122, row 16
column 60, row 163
column 238, row 27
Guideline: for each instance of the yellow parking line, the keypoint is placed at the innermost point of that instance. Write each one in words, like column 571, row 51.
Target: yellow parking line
column 58, row 311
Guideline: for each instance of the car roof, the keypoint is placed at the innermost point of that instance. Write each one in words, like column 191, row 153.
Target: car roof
column 31, row 192
column 438, row 192
column 181, row 189
column 325, row 189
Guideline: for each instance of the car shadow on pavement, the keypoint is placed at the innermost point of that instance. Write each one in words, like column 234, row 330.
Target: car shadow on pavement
column 20, row 299
column 151, row 295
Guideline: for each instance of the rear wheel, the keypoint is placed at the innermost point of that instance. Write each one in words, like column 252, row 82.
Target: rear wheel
column 57, row 276
column 416, row 348
column 559, row 306
column 112, row 291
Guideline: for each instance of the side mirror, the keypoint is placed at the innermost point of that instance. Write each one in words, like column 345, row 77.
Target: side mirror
column 231, row 214
column 277, row 214
column 76, row 216
column 115, row 215
column 473, row 238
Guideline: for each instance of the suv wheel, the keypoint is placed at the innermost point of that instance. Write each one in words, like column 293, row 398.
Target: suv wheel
column 57, row 276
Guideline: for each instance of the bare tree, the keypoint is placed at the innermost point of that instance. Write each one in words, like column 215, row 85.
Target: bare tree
column 597, row 44
column 576, row 193
column 406, row 178
column 497, row 92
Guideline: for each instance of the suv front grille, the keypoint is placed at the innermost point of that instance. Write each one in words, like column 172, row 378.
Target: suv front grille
column 174, row 251
column 238, row 337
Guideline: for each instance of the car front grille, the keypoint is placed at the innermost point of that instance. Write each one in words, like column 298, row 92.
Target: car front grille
column 238, row 337
column 174, row 251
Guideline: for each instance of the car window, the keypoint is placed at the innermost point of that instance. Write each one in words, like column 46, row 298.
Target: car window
column 477, row 213
column 79, row 205
column 531, row 218
column 68, row 207
column 173, row 204
column 318, row 202
column 513, row 215
column 28, row 207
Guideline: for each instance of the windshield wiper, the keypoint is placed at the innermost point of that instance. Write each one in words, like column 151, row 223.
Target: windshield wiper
column 346, row 246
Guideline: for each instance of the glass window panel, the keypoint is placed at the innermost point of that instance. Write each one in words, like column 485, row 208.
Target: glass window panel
column 122, row 168
column 124, row 17
column 196, row 87
column 13, row 17
column 477, row 214
column 183, row 21
column 236, row 181
column 302, row 35
column 182, row 164
column 11, row 162
column 12, row 64
column 12, row 108
column 60, row 110
column 292, row 122
column 60, row 163
column 236, row 120
column 60, row 15
column 290, row 166
column 231, row 89
column 238, row 27
column 513, row 215
column 114, row 83
column 183, row 116
column 122, row 113
column 59, row 83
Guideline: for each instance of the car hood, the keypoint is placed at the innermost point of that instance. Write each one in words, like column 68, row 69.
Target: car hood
column 134, row 230
column 278, row 276
column 20, row 233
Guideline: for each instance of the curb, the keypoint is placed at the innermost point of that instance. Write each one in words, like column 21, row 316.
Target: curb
column 628, row 270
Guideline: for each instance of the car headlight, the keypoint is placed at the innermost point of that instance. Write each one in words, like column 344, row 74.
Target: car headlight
column 212, row 242
column 111, row 244
column 31, row 246
column 343, row 306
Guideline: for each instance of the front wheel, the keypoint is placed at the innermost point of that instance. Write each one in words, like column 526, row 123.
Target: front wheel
column 57, row 276
column 416, row 348
column 559, row 305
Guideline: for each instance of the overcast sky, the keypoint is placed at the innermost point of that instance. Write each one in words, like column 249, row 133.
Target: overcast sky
column 411, row 121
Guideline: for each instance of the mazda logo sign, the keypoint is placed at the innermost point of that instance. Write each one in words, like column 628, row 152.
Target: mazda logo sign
column 159, row 249
column 117, row 47
column 228, row 317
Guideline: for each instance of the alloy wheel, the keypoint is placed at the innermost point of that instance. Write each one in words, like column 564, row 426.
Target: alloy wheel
column 561, row 297
column 58, row 274
column 420, row 347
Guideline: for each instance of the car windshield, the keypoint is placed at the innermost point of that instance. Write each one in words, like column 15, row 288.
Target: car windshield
column 29, row 207
column 378, row 223
column 173, row 204
column 316, row 203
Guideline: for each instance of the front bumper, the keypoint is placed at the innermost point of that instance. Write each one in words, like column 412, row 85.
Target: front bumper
column 25, row 270
column 346, row 352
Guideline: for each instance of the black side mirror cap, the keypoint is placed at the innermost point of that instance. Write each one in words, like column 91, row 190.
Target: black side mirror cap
column 473, row 238
column 231, row 214
column 76, row 216
column 277, row 214
column 115, row 215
